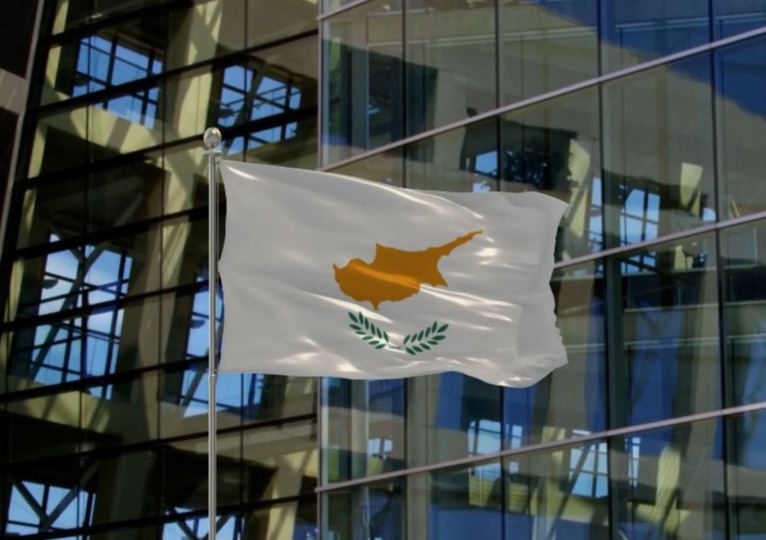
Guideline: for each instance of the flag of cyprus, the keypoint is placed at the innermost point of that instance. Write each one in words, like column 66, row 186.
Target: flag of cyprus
column 329, row 275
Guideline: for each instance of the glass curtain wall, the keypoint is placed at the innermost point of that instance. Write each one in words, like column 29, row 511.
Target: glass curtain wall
column 104, row 330
column 646, row 118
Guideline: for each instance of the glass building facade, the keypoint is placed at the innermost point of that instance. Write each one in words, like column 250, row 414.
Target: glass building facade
column 648, row 118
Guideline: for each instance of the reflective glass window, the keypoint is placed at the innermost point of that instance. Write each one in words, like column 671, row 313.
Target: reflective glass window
column 741, row 111
column 747, row 465
column 47, row 497
column 634, row 32
column 462, row 159
column 545, row 45
column 732, row 17
column 450, row 61
column 742, row 251
column 668, row 363
column 659, row 160
column 363, row 92
column 555, row 148
column 667, row 482
column 572, row 400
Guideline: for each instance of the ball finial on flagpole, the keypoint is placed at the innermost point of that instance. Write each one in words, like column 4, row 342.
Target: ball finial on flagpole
column 212, row 138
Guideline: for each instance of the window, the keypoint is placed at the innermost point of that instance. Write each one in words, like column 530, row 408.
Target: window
column 83, row 346
column 104, row 63
column 252, row 94
column 39, row 508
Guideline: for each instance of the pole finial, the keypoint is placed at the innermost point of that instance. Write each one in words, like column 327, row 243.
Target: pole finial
column 212, row 138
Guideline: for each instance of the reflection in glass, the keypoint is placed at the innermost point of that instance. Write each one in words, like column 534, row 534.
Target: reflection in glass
column 53, row 504
column 636, row 32
column 363, row 94
column 363, row 426
column 742, row 250
column 741, row 125
column 669, row 361
column 387, row 167
column 373, row 511
column 572, row 400
column 108, row 57
column 463, row 159
column 451, row 61
column 546, row 45
column 668, row 483
column 555, row 148
column 746, row 472
column 659, row 167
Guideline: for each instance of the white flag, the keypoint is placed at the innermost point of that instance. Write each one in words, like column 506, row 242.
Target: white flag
column 328, row 275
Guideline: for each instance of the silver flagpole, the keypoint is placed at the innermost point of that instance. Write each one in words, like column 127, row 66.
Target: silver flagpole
column 212, row 138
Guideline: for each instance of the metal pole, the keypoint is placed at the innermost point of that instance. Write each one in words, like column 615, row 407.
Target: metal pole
column 212, row 138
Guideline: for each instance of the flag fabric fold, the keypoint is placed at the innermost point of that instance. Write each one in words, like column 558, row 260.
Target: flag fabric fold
column 329, row 275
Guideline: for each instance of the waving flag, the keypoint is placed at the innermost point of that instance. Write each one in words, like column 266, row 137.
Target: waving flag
column 328, row 275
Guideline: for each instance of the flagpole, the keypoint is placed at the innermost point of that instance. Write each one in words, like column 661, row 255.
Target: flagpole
column 211, row 139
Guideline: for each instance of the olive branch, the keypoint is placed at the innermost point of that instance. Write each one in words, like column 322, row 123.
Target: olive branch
column 414, row 343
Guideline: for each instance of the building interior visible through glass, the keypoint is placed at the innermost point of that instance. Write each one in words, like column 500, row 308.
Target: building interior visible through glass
column 659, row 279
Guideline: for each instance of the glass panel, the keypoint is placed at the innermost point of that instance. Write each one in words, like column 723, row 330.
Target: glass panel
column 265, row 105
column 363, row 94
column 48, row 497
column 387, row 167
column 59, row 141
column 741, row 110
column 280, row 105
column 659, row 160
column 557, row 494
column 451, row 416
column 120, row 124
column 184, row 400
column 58, row 205
column 136, row 473
column 555, row 148
column 185, row 477
column 74, row 276
column 572, row 401
column 105, row 340
column 120, row 411
column 373, row 511
column 186, row 184
column 279, row 461
column 185, row 249
column 635, row 32
column 43, row 427
column 105, row 58
column 463, row 159
column 110, row 198
column 668, row 365
column 743, row 251
column 70, row 14
column 732, row 17
column 451, row 61
column 546, row 45
column 295, row 521
column 205, row 30
column 667, row 483
column 745, row 472
column 268, row 20
column 363, row 427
